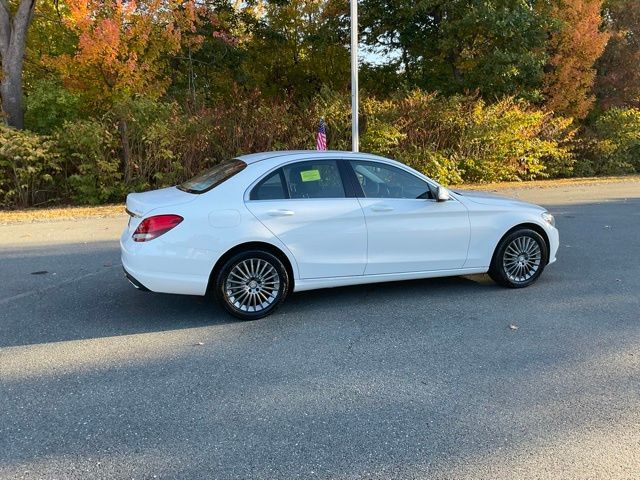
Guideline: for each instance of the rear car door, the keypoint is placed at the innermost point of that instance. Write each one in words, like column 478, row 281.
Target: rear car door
column 309, row 207
column 408, row 230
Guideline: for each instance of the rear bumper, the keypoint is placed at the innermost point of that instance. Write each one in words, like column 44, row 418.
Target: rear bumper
column 133, row 281
column 158, row 267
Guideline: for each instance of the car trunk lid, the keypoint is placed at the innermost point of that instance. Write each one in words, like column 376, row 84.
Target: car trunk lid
column 139, row 204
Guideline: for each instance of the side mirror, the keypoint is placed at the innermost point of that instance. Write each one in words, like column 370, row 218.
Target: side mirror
column 442, row 194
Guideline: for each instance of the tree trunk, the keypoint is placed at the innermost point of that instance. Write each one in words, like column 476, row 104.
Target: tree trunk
column 126, row 150
column 11, row 93
column 13, row 41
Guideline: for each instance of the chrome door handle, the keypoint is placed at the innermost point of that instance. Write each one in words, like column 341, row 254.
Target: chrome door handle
column 382, row 208
column 280, row 213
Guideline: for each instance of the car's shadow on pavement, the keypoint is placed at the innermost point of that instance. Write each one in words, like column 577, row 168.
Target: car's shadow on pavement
column 102, row 303
column 385, row 292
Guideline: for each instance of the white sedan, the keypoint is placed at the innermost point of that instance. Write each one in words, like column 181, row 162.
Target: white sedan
column 256, row 228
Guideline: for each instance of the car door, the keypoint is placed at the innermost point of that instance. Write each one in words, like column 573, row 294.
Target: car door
column 306, row 205
column 407, row 229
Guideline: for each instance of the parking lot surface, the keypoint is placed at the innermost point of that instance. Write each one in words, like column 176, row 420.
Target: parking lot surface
column 442, row 379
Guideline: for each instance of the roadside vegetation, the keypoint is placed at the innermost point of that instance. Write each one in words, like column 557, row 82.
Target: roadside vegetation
column 123, row 96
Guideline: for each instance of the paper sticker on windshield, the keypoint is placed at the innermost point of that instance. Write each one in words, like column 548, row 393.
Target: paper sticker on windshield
column 310, row 175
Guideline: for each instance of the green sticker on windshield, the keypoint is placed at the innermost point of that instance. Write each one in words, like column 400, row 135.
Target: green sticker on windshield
column 310, row 175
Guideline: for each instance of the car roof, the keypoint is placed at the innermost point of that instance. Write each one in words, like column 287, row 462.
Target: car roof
column 311, row 154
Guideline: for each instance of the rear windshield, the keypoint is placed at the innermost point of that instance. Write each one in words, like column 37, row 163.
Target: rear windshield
column 212, row 177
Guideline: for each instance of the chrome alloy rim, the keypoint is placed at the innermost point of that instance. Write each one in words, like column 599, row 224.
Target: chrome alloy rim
column 522, row 259
column 252, row 285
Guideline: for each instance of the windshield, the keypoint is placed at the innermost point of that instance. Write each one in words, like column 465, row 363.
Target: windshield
column 213, row 177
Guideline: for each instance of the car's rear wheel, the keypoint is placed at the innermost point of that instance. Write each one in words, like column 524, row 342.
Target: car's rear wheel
column 519, row 259
column 252, row 284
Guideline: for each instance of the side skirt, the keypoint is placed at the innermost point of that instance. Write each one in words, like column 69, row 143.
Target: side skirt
column 329, row 282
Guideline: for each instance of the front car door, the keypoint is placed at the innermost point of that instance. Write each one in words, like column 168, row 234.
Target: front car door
column 408, row 230
column 309, row 207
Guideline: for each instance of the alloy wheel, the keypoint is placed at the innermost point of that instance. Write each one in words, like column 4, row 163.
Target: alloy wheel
column 252, row 285
column 522, row 259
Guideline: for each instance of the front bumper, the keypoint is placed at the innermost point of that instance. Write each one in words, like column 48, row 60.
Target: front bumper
column 554, row 243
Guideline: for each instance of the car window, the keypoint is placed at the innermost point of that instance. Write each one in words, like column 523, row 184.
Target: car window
column 213, row 177
column 271, row 188
column 314, row 179
column 379, row 180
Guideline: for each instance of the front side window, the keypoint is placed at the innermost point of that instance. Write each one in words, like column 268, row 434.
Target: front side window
column 314, row 179
column 212, row 177
column 379, row 180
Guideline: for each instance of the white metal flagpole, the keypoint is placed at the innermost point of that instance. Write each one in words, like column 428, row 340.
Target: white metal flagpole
column 355, row 134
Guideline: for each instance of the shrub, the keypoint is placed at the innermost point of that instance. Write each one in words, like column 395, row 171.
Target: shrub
column 612, row 145
column 48, row 106
column 91, row 164
column 249, row 123
column 144, row 144
column 28, row 163
column 467, row 139
column 458, row 138
column 146, row 130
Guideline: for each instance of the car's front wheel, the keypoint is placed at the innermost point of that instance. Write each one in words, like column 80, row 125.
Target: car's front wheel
column 519, row 259
column 252, row 284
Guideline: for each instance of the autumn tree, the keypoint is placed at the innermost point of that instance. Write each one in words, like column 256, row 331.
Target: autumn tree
column 574, row 49
column 14, row 23
column 123, row 50
column 618, row 81
column 49, row 36
column 123, row 47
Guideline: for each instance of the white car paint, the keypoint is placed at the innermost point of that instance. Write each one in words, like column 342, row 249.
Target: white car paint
column 327, row 242
column 327, row 237
column 408, row 235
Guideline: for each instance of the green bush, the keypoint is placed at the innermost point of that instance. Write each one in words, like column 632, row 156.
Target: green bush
column 469, row 140
column 148, row 128
column 458, row 138
column 28, row 164
column 145, row 144
column 612, row 144
column 48, row 106
column 91, row 162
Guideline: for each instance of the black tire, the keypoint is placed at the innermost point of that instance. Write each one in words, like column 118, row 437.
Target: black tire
column 240, row 298
column 519, row 259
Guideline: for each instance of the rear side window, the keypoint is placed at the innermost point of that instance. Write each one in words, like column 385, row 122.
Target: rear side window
column 213, row 177
column 319, row 179
column 271, row 188
column 314, row 179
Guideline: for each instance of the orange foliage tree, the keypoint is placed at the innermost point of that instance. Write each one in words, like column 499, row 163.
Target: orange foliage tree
column 124, row 46
column 574, row 50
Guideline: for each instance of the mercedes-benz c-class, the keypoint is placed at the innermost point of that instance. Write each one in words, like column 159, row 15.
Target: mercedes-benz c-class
column 254, row 229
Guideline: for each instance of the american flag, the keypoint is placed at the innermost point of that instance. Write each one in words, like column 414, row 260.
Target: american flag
column 321, row 139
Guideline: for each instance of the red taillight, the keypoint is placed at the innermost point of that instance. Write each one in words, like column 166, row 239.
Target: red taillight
column 155, row 226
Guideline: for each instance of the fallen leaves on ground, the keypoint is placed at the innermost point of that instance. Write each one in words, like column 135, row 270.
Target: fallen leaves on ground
column 62, row 213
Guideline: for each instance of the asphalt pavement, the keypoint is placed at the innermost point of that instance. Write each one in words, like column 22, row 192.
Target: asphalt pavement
column 435, row 379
